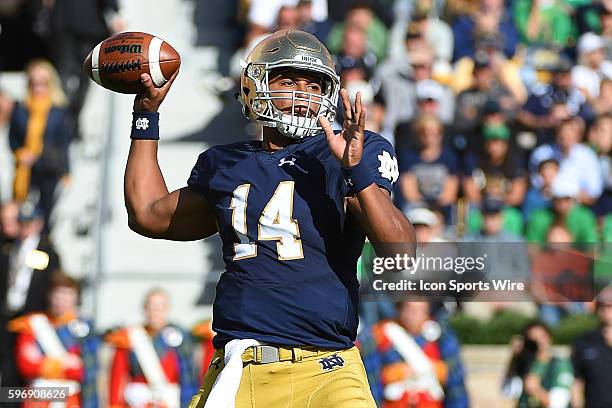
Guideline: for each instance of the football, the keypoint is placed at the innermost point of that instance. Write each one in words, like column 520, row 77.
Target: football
column 117, row 62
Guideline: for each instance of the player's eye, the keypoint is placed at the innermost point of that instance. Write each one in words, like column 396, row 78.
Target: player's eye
column 287, row 82
column 314, row 87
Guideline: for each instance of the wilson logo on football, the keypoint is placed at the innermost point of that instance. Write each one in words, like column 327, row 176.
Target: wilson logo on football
column 129, row 48
column 142, row 123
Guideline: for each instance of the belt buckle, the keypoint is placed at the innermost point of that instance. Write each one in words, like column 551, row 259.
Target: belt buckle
column 269, row 354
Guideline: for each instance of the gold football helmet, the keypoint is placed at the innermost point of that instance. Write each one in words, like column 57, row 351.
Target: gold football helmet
column 293, row 50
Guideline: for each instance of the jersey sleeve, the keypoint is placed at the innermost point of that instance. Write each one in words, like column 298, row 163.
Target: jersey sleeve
column 202, row 173
column 379, row 155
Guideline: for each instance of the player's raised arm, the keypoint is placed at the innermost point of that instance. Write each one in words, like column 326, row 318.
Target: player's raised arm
column 385, row 225
column 153, row 211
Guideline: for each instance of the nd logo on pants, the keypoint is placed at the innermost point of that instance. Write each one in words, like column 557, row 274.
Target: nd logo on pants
column 304, row 378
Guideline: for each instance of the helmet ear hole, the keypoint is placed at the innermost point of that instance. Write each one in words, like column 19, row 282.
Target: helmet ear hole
column 246, row 91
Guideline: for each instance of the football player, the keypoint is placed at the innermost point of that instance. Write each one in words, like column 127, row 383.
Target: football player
column 292, row 211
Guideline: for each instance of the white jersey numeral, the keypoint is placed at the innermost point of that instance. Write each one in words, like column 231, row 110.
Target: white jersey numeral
column 244, row 249
column 275, row 224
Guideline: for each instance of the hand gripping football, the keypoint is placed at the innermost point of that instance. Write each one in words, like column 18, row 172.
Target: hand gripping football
column 117, row 62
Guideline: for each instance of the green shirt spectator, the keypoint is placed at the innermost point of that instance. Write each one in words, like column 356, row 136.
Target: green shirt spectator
column 512, row 221
column 555, row 373
column 360, row 16
column 580, row 222
column 554, row 25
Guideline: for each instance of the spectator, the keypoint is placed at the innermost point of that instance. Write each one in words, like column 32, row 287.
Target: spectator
column 9, row 235
column 544, row 22
column 540, row 197
column 319, row 29
column 263, row 13
column 561, row 279
column 484, row 221
column 59, row 347
column 31, row 261
column 490, row 17
column 354, row 78
column 602, row 105
column 131, row 382
column 546, row 378
column 431, row 98
column 76, row 26
column 506, row 71
column 600, row 139
column 27, row 265
column 288, row 18
column 496, row 172
column 39, row 137
column 499, row 242
column 418, row 361
column 470, row 103
column 428, row 174
column 354, row 47
column 566, row 211
column 361, row 15
column 552, row 99
column 593, row 65
column 436, row 32
column 576, row 160
column 396, row 79
column 591, row 354
column 591, row 16
column 428, row 227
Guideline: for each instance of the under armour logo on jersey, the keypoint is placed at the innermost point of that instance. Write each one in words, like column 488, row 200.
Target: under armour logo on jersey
column 388, row 166
column 291, row 162
column 142, row 123
column 332, row 361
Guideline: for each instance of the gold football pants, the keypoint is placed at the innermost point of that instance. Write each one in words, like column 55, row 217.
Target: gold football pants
column 303, row 378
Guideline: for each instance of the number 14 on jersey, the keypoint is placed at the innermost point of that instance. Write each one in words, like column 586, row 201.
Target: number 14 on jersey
column 276, row 223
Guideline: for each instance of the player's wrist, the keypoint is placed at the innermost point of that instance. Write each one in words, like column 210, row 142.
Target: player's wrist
column 145, row 125
column 357, row 177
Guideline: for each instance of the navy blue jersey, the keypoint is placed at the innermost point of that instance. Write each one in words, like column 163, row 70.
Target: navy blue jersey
column 289, row 247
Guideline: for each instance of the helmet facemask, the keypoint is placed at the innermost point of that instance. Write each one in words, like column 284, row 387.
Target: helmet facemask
column 258, row 99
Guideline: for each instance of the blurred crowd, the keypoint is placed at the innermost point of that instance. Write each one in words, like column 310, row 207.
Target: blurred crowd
column 501, row 116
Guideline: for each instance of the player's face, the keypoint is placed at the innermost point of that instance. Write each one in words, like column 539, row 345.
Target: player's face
column 300, row 84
